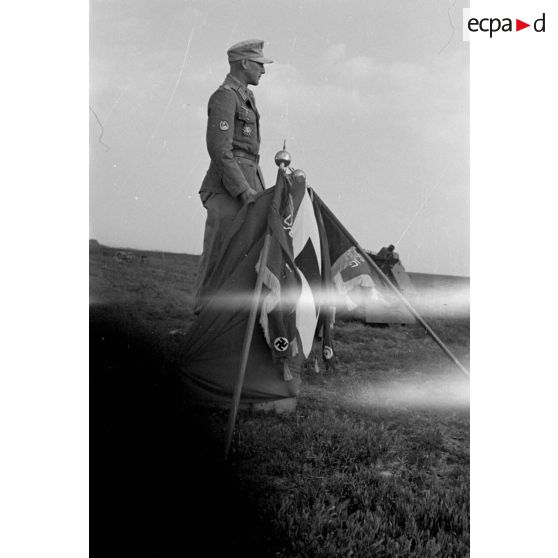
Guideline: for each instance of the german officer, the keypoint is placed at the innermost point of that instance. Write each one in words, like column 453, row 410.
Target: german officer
column 234, row 176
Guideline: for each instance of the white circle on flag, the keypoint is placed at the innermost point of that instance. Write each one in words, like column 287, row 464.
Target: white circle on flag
column 281, row 344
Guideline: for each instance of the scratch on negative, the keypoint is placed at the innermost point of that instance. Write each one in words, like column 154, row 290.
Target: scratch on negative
column 452, row 27
column 102, row 130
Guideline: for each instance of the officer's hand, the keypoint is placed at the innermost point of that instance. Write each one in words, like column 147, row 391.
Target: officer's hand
column 247, row 196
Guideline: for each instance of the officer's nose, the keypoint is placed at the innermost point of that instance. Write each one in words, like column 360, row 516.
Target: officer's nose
column 263, row 70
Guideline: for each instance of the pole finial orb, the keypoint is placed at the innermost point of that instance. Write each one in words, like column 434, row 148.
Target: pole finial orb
column 283, row 157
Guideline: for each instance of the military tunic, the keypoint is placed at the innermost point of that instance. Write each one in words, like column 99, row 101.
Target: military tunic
column 233, row 142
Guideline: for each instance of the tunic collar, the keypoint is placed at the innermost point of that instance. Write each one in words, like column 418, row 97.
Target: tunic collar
column 243, row 90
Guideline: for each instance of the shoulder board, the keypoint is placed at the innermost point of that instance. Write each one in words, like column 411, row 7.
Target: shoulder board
column 236, row 89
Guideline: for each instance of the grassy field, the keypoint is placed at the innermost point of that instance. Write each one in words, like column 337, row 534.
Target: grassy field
column 374, row 462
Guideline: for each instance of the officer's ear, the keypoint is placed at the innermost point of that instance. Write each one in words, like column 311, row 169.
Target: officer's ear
column 244, row 64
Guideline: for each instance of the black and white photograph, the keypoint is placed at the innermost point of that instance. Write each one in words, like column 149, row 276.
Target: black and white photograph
column 279, row 278
column 316, row 313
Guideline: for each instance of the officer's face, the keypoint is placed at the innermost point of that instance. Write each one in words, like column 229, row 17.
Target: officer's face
column 254, row 70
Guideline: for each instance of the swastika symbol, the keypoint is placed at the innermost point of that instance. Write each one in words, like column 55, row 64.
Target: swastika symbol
column 281, row 344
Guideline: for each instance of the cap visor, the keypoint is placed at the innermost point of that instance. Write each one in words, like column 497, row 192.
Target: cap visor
column 261, row 60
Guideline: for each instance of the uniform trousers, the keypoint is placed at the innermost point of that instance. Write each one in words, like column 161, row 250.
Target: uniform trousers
column 221, row 211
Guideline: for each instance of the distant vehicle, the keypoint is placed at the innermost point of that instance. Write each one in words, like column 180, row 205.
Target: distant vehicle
column 433, row 296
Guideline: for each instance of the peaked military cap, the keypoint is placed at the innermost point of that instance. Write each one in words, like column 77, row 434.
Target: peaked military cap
column 248, row 50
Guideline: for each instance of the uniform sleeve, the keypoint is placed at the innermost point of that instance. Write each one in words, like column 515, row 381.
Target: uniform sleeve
column 220, row 132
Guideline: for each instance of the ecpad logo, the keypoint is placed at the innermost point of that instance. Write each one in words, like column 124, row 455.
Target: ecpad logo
column 493, row 25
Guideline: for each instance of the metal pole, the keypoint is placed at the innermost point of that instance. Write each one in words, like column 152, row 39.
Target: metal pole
column 407, row 304
column 250, row 329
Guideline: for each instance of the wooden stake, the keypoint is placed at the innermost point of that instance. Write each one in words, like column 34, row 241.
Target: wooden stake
column 251, row 324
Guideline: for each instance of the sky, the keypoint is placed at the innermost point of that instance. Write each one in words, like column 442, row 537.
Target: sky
column 371, row 96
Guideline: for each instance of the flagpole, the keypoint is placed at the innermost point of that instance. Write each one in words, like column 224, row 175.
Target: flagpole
column 407, row 304
column 251, row 324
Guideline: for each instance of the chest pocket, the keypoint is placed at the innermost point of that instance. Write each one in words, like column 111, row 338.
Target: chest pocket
column 247, row 121
column 246, row 115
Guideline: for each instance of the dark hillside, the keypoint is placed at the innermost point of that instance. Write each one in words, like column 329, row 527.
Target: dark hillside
column 374, row 462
